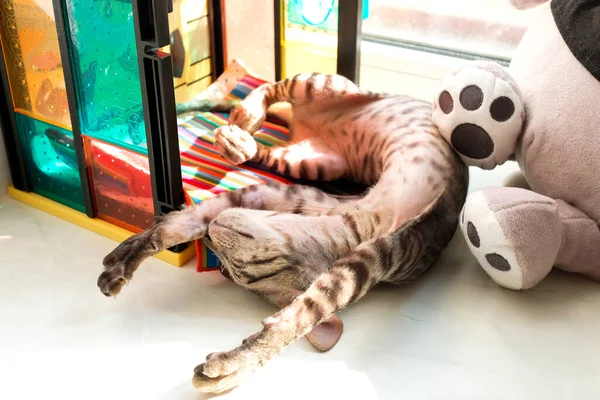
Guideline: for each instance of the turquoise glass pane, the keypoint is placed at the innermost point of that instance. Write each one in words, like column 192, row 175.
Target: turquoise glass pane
column 51, row 161
column 319, row 14
column 105, row 69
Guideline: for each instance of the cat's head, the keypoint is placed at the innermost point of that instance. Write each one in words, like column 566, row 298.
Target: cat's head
column 480, row 112
column 247, row 245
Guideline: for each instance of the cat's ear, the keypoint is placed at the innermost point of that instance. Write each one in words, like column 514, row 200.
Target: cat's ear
column 327, row 334
column 480, row 112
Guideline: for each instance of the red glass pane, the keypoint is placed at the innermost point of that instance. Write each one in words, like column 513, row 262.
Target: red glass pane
column 121, row 185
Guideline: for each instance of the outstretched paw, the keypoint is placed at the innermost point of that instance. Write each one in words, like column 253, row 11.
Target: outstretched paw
column 112, row 280
column 222, row 371
column 120, row 264
column 480, row 113
column 235, row 144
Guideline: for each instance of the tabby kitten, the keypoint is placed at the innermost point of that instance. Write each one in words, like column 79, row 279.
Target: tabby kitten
column 308, row 252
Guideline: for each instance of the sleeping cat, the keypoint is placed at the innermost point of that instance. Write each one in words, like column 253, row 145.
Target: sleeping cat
column 308, row 252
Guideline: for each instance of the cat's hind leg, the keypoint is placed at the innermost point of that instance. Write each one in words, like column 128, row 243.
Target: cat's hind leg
column 347, row 281
column 309, row 159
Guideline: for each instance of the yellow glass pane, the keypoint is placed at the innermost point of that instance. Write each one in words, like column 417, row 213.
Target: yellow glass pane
column 189, row 47
column 309, row 36
column 32, row 56
column 186, row 92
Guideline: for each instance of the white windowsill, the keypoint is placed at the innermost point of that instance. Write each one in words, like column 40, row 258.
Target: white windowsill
column 396, row 70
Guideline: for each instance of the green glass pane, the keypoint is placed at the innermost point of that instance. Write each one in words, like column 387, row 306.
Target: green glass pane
column 105, row 70
column 51, row 161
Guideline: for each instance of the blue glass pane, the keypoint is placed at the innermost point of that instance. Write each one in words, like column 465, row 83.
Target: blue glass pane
column 105, row 69
column 51, row 161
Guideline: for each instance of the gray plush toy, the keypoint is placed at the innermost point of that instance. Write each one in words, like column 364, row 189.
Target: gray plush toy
column 545, row 112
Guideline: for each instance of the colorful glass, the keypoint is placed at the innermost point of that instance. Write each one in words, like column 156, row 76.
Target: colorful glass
column 32, row 58
column 121, row 187
column 50, row 161
column 102, row 46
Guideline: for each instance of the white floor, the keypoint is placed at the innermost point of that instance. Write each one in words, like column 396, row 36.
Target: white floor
column 453, row 335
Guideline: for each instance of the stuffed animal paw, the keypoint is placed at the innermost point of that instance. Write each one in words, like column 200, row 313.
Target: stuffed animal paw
column 480, row 113
column 515, row 234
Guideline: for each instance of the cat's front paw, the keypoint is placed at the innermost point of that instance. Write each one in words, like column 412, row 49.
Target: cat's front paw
column 223, row 371
column 120, row 263
column 111, row 281
column 235, row 144
column 250, row 114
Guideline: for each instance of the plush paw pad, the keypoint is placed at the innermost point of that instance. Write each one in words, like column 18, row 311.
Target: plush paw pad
column 480, row 113
column 488, row 243
column 235, row 144
column 513, row 233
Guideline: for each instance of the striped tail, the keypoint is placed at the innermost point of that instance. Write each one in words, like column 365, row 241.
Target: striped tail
column 206, row 105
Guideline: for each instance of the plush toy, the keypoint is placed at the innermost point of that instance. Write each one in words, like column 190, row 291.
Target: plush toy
column 545, row 114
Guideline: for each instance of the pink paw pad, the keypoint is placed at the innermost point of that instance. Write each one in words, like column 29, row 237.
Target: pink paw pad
column 235, row 144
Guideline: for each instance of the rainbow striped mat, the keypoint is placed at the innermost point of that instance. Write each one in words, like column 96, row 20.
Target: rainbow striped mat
column 205, row 172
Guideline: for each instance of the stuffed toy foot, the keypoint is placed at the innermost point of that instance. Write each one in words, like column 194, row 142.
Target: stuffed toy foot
column 515, row 234
column 518, row 236
column 544, row 119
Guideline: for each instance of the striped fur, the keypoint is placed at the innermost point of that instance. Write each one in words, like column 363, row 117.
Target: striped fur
column 308, row 252
column 199, row 104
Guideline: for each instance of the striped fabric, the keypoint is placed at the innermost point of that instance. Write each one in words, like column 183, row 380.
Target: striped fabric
column 206, row 173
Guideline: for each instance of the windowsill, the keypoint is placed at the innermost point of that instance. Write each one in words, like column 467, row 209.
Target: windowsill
column 397, row 70
column 492, row 29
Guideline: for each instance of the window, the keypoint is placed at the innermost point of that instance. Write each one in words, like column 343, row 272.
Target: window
column 410, row 46
column 471, row 28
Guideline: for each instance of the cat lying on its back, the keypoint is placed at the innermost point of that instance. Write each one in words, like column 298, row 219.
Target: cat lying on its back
column 308, row 252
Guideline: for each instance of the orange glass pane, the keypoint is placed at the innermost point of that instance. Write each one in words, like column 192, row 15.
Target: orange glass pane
column 121, row 187
column 32, row 56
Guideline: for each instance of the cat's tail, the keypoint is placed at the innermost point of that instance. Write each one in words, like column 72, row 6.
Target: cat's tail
column 206, row 105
